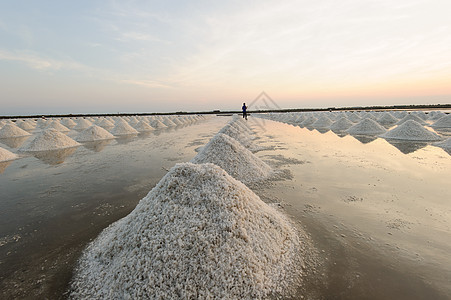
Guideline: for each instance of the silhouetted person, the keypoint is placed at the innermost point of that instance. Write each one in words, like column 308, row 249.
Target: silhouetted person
column 244, row 108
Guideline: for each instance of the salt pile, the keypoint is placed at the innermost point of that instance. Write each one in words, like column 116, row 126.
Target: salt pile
column 322, row 122
column 57, row 126
column 143, row 126
column 387, row 119
column 199, row 234
column 353, row 117
column 6, row 155
column 27, row 125
column 443, row 122
column 82, row 124
column 308, row 121
column 168, row 122
column 94, row 133
column 157, row 124
column 411, row 117
column 234, row 158
column 412, row 131
column 11, row 130
column 234, row 132
column 122, row 128
column 68, row 122
column 366, row 126
column 106, row 123
column 342, row 124
column 49, row 139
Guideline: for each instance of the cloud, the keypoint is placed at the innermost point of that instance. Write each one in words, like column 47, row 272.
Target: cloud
column 37, row 62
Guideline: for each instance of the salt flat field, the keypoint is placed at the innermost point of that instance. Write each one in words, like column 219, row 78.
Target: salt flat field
column 320, row 205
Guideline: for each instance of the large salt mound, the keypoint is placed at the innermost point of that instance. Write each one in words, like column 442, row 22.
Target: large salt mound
column 234, row 158
column 11, row 130
column 366, row 126
column 68, row 122
column 443, row 122
column 6, row 155
column 412, row 131
column 122, row 128
column 49, row 139
column 94, row 133
column 199, row 234
column 341, row 124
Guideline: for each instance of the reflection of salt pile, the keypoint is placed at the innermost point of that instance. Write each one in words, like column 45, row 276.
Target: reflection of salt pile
column 443, row 122
column 366, row 126
column 445, row 144
column 198, row 234
column 122, row 128
column 6, row 155
column 49, row 139
column 234, row 158
column 94, row 133
column 411, row 130
column 342, row 124
column 11, row 130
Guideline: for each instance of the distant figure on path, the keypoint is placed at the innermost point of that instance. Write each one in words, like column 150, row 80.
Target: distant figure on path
column 244, row 111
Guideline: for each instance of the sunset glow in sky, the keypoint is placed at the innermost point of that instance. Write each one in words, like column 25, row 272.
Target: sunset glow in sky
column 155, row 56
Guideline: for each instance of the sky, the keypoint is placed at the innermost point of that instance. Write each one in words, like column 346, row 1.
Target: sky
column 92, row 56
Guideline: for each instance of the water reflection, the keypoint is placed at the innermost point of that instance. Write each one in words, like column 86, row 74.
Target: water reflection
column 322, row 130
column 4, row 165
column 125, row 139
column 14, row 142
column 54, row 157
column 407, row 147
column 364, row 139
column 97, row 146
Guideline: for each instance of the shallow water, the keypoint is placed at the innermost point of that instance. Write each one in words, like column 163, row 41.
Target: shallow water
column 378, row 212
column 53, row 203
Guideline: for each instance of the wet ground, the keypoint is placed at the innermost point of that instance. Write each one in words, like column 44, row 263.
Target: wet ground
column 379, row 214
column 52, row 205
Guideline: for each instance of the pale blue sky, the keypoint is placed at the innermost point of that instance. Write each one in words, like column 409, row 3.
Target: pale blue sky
column 111, row 56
